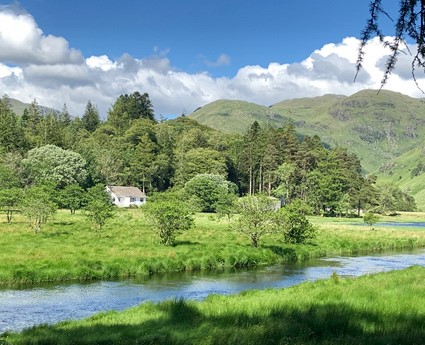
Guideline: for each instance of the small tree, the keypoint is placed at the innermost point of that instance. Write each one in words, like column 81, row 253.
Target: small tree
column 99, row 207
column 371, row 218
column 296, row 227
column 225, row 204
column 257, row 217
column 72, row 197
column 170, row 217
column 37, row 206
column 210, row 190
column 9, row 201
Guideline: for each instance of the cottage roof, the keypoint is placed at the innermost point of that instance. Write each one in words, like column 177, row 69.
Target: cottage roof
column 121, row 191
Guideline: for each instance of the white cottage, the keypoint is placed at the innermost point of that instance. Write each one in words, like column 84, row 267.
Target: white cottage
column 126, row 196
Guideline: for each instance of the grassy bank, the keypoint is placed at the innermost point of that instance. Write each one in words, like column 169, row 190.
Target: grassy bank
column 386, row 308
column 68, row 249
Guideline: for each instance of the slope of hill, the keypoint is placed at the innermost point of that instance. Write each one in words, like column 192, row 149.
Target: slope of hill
column 18, row 107
column 379, row 127
column 235, row 116
column 408, row 172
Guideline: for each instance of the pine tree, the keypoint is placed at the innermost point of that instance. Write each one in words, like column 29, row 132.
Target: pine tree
column 90, row 119
column 11, row 134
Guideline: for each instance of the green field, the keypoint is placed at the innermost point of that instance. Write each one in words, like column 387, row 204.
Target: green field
column 67, row 248
column 386, row 308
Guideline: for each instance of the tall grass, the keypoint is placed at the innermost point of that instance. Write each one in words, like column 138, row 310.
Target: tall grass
column 68, row 249
column 386, row 308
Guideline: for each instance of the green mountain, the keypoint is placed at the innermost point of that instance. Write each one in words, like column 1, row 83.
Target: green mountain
column 384, row 129
column 235, row 116
column 18, row 107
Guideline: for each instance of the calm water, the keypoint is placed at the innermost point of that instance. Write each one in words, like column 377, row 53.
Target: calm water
column 50, row 304
column 408, row 224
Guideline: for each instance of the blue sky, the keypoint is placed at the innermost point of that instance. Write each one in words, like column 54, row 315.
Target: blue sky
column 185, row 53
column 192, row 32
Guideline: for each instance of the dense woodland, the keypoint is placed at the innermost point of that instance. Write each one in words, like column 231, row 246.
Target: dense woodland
column 131, row 147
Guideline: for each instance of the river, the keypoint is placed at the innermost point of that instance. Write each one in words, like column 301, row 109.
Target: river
column 22, row 308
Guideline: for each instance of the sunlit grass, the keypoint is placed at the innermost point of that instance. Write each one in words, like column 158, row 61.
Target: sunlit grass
column 67, row 248
column 385, row 308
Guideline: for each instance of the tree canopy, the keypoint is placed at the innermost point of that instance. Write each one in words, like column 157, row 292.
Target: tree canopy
column 53, row 164
column 129, row 148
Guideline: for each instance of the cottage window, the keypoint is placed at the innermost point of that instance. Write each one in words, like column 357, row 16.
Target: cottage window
column 132, row 199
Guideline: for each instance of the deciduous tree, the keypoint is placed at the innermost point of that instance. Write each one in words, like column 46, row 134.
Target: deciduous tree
column 72, row 197
column 210, row 191
column 10, row 199
column 294, row 224
column 38, row 205
column 99, row 207
column 257, row 217
column 170, row 217
column 52, row 164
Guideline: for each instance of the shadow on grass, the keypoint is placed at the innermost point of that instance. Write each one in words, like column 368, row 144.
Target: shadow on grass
column 179, row 322
column 50, row 234
column 186, row 243
column 289, row 254
column 64, row 223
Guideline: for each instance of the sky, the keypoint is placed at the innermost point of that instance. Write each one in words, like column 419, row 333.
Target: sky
column 188, row 53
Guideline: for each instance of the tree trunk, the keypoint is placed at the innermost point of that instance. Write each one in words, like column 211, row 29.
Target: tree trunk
column 37, row 225
column 254, row 240
column 270, row 183
column 9, row 216
column 260, row 179
column 250, row 181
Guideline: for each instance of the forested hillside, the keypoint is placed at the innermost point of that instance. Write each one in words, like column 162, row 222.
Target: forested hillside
column 131, row 148
column 378, row 127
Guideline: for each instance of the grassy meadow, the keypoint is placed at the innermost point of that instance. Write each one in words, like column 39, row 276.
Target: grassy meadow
column 67, row 248
column 385, row 308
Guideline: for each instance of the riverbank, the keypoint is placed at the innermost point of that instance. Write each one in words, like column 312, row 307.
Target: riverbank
column 68, row 249
column 385, row 308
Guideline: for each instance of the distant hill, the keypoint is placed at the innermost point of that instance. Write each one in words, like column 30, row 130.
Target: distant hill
column 408, row 172
column 381, row 128
column 235, row 116
column 18, row 107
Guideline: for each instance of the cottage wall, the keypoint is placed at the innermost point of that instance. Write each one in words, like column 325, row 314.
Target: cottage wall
column 125, row 201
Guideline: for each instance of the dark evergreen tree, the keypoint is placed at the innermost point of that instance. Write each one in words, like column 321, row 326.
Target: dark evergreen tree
column 90, row 119
column 128, row 108
column 31, row 120
column 64, row 116
column 11, row 133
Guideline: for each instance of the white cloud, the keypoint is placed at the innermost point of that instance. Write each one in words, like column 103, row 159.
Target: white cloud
column 33, row 65
column 101, row 62
column 22, row 41
column 222, row 60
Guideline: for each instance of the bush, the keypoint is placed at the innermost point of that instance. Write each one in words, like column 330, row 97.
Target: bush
column 296, row 227
column 371, row 218
column 170, row 218
column 210, row 192
column 257, row 217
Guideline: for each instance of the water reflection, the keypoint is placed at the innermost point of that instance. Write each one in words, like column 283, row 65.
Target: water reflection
column 52, row 303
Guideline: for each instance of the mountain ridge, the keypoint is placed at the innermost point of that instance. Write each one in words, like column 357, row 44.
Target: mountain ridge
column 378, row 126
